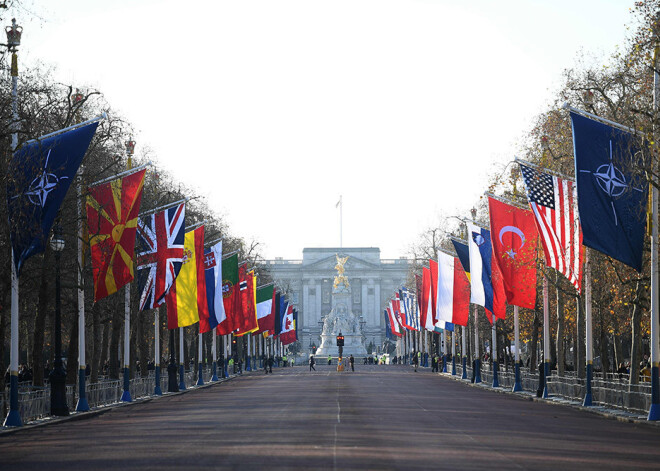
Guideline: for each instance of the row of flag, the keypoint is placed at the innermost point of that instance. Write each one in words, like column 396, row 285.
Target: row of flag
column 174, row 266
column 605, row 209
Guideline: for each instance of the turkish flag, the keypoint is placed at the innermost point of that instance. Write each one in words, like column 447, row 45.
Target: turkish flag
column 514, row 237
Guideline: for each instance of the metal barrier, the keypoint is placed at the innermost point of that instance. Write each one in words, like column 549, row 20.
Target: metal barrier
column 34, row 402
column 611, row 390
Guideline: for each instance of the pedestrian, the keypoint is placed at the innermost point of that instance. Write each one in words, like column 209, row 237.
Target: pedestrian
column 329, row 359
column 415, row 362
column 270, row 364
column 434, row 363
column 312, row 362
column 351, row 360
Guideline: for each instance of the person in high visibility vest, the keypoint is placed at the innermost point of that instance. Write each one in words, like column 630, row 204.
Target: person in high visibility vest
column 329, row 359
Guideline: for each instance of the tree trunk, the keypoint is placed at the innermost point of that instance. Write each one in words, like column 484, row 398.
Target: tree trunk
column 560, row 334
column 604, row 344
column 636, row 327
column 40, row 324
column 105, row 342
column 534, row 342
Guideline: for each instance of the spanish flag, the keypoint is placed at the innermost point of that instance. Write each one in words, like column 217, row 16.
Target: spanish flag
column 186, row 300
column 112, row 213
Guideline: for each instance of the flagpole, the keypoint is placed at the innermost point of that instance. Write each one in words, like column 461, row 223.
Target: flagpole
column 214, row 347
column 477, row 360
column 493, row 353
column 70, row 128
column 588, row 333
column 157, row 390
column 163, row 207
column 13, row 418
column 654, row 410
column 130, row 171
column 82, row 405
column 453, row 352
column 443, row 335
column 546, row 337
column 126, row 395
column 182, row 382
column 464, row 351
column 247, row 361
column 200, row 376
column 517, row 386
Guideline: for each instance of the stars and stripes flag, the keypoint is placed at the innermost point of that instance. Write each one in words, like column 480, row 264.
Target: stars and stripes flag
column 159, row 254
column 553, row 201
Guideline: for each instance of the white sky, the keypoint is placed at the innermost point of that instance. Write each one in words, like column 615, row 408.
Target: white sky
column 273, row 108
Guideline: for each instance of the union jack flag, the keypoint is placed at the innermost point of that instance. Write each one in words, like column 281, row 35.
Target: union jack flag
column 160, row 254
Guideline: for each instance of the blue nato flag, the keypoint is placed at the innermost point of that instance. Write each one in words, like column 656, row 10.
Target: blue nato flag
column 612, row 195
column 40, row 174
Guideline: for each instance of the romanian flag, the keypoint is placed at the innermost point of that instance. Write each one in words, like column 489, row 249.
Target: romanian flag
column 231, row 296
column 186, row 300
column 248, row 319
column 112, row 214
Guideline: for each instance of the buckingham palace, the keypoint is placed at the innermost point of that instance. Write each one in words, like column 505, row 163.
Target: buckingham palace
column 309, row 284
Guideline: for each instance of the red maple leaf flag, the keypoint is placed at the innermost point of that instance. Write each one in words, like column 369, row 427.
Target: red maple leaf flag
column 514, row 238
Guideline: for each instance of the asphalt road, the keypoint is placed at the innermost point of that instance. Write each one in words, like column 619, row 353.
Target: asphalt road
column 379, row 417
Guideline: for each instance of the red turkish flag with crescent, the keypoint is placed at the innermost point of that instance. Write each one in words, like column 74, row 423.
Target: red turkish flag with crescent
column 514, row 237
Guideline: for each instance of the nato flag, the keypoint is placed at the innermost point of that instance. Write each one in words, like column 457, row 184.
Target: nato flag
column 612, row 197
column 40, row 174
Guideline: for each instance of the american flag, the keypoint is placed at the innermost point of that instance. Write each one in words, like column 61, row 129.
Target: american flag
column 160, row 254
column 554, row 203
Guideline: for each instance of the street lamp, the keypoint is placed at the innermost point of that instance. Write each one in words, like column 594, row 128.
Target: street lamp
column 58, row 405
column 13, row 418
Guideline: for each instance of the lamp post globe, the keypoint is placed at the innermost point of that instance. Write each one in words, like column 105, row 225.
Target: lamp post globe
column 57, row 377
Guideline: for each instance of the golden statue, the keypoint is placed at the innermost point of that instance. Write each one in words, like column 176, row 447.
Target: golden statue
column 340, row 278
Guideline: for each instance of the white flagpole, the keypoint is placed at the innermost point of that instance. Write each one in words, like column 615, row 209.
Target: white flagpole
column 588, row 329
column 249, row 353
column 516, row 328
column 654, row 410
column 493, row 353
column 215, row 357
column 546, row 337
column 126, row 395
column 464, row 351
column 200, row 353
column 13, row 418
column 453, row 352
column 157, row 390
column 82, row 405
column 477, row 360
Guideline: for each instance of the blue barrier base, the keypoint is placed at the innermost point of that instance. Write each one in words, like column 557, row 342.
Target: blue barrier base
column 82, row 405
column 126, row 395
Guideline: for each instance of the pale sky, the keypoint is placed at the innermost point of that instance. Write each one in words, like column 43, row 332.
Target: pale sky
column 271, row 109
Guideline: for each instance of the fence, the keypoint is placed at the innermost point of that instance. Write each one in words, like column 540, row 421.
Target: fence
column 34, row 402
column 608, row 389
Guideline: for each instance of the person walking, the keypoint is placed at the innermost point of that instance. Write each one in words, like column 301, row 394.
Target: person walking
column 312, row 362
column 351, row 360
column 415, row 362
column 329, row 359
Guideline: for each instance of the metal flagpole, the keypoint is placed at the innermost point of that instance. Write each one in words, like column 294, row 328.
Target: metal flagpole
column 464, row 351
column 82, row 405
column 654, row 410
column 200, row 367
column 588, row 333
column 546, row 337
column 182, row 381
column 453, row 352
column 477, row 360
column 157, row 390
column 126, row 395
column 443, row 336
column 214, row 347
column 516, row 328
column 13, row 418
column 493, row 353
column 249, row 352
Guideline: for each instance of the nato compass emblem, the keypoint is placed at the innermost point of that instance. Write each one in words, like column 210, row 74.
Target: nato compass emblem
column 612, row 181
column 42, row 185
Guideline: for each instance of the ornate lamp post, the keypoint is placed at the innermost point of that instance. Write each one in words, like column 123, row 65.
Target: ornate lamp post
column 58, row 405
column 14, row 417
